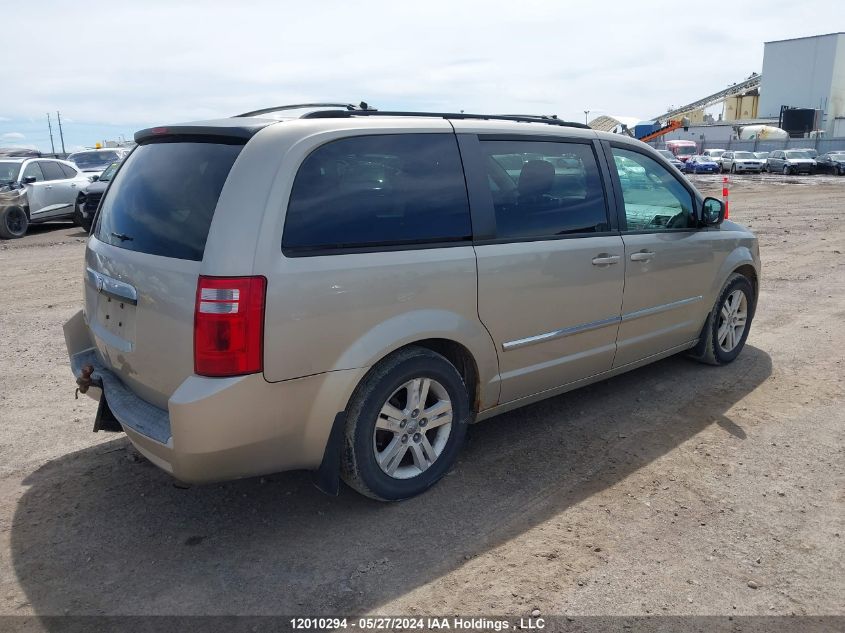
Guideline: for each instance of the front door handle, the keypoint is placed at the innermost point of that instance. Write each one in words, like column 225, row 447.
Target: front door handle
column 48, row 186
column 603, row 259
column 642, row 256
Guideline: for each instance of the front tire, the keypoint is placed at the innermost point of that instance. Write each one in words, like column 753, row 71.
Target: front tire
column 786, row 170
column 79, row 219
column 13, row 223
column 406, row 423
column 726, row 328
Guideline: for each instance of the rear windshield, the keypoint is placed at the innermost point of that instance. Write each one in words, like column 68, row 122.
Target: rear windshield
column 92, row 159
column 163, row 198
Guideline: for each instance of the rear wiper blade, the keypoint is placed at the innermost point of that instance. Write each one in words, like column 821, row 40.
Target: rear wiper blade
column 123, row 237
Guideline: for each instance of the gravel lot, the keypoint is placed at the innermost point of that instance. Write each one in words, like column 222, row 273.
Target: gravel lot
column 675, row 489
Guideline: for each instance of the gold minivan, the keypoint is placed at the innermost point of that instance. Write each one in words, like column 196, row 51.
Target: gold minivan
column 344, row 290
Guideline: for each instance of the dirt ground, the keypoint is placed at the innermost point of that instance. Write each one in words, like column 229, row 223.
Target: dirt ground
column 675, row 489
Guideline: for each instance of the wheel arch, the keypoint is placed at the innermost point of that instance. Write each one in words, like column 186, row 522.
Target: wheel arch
column 750, row 272
column 463, row 342
column 741, row 260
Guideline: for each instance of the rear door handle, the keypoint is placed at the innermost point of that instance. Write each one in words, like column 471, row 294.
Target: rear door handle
column 603, row 259
column 642, row 256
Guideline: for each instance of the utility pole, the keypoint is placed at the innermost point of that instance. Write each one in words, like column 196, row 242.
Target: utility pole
column 50, row 126
column 61, row 134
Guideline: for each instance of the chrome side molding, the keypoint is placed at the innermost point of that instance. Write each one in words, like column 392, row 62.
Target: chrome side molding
column 594, row 325
column 569, row 331
column 661, row 308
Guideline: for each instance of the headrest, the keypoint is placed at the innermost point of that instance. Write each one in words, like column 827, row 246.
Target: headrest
column 536, row 178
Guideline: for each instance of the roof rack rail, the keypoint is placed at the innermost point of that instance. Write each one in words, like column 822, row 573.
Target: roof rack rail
column 524, row 118
column 299, row 106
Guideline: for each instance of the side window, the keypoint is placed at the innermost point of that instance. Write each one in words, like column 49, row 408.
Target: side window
column 383, row 190
column 654, row 199
column 67, row 170
column 32, row 170
column 51, row 170
column 544, row 189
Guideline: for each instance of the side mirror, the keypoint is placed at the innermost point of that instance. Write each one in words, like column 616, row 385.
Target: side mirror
column 29, row 180
column 712, row 212
column 95, row 178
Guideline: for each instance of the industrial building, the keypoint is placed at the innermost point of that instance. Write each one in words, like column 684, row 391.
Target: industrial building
column 806, row 72
column 801, row 89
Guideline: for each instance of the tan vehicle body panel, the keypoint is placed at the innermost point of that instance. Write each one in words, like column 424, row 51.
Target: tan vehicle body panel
column 329, row 318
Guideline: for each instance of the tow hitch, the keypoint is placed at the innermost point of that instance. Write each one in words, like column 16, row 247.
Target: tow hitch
column 105, row 420
column 84, row 381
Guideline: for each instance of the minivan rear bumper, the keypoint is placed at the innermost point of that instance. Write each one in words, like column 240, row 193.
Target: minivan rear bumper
column 217, row 429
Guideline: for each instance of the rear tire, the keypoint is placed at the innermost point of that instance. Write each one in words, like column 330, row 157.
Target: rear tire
column 13, row 223
column 786, row 170
column 392, row 449
column 734, row 308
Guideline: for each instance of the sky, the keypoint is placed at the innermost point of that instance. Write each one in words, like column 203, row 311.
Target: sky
column 117, row 67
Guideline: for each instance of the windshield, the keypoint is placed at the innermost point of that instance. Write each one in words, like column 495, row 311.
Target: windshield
column 686, row 151
column 744, row 155
column 794, row 153
column 109, row 172
column 87, row 160
column 9, row 171
column 715, row 153
column 666, row 154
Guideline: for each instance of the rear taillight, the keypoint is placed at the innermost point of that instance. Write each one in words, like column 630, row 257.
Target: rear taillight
column 229, row 326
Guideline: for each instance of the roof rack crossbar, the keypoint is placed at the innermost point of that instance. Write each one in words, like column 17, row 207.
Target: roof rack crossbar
column 547, row 119
column 297, row 106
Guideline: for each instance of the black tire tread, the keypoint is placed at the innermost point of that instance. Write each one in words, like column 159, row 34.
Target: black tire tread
column 350, row 469
column 4, row 231
column 705, row 351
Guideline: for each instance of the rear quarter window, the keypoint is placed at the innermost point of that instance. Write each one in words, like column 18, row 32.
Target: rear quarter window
column 163, row 198
column 376, row 191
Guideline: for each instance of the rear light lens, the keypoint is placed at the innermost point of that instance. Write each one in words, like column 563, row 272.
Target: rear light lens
column 229, row 326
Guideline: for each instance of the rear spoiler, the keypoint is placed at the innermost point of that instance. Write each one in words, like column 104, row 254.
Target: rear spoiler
column 224, row 129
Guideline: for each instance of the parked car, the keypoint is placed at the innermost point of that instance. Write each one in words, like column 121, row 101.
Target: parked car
column 790, row 161
column 714, row 153
column 36, row 190
column 832, row 162
column 87, row 204
column 701, row 165
column 345, row 292
column 94, row 161
column 665, row 153
column 682, row 149
column 741, row 162
column 762, row 156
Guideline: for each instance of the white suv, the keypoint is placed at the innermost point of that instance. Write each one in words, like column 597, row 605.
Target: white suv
column 35, row 190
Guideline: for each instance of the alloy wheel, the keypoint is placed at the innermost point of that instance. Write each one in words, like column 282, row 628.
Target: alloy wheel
column 412, row 428
column 732, row 319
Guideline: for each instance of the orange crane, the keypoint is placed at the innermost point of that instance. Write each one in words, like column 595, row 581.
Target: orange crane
column 673, row 124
